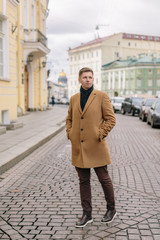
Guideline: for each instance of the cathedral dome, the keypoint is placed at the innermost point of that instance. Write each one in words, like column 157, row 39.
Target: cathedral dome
column 62, row 78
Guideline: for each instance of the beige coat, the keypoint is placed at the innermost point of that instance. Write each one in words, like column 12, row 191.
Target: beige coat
column 87, row 130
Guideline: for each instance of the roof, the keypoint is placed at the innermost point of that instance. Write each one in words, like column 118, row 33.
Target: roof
column 133, row 61
column 131, row 36
column 93, row 42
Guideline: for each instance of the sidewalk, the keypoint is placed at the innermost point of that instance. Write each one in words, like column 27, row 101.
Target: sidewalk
column 38, row 127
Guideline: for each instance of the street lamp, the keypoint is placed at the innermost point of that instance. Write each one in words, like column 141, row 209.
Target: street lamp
column 30, row 58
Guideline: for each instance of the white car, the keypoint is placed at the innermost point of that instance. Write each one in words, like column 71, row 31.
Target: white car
column 117, row 103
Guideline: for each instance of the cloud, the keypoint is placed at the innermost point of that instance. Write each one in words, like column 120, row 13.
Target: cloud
column 71, row 22
column 74, row 17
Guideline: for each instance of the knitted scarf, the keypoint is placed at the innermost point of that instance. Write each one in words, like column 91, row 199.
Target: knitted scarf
column 84, row 96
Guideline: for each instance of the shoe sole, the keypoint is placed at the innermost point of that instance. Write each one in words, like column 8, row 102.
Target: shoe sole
column 110, row 220
column 90, row 221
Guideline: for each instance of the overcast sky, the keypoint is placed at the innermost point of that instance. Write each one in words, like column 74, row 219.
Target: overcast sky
column 72, row 22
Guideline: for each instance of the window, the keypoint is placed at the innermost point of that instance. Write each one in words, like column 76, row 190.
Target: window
column 1, row 49
column 4, row 48
column 149, row 82
column 136, row 36
column 150, row 70
column 117, row 54
column 156, row 38
column 129, row 44
column 128, row 35
column 26, row 15
column 139, row 83
column 158, row 82
column 143, row 37
column 118, row 43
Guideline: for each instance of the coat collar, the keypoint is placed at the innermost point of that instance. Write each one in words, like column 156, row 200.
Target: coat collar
column 89, row 101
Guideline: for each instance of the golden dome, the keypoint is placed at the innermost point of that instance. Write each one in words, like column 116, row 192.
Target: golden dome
column 62, row 74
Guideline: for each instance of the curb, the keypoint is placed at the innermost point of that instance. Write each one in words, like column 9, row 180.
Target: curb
column 21, row 156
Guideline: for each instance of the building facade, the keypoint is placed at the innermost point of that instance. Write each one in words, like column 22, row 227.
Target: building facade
column 23, row 50
column 101, row 51
column 134, row 76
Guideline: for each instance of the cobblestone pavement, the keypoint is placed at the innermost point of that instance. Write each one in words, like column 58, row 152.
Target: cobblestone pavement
column 40, row 195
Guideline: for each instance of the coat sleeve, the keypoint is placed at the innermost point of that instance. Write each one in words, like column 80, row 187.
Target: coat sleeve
column 108, row 117
column 69, row 119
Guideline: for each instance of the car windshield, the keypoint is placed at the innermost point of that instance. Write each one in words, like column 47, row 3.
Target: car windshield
column 157, row 107
column 149, row 102
column 118, row 100
column 137, row 101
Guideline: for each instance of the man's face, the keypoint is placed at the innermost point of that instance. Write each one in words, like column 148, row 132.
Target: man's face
column 86, row 79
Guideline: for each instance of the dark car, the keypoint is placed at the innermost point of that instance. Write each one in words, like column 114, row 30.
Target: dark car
column 153, row 117
column 131, row 105
column 144, row 108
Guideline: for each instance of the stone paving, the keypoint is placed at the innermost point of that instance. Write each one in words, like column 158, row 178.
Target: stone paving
column 39, row 197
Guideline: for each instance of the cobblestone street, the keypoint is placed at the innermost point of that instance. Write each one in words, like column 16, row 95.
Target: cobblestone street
column 40, row 195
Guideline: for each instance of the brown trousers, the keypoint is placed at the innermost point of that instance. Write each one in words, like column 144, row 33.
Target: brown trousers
column 85, row 188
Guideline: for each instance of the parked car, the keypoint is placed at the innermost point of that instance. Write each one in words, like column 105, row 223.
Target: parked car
column 131, row 105
column 64, row 101
column 117, row 103
column 153, row 117
column 144, row 108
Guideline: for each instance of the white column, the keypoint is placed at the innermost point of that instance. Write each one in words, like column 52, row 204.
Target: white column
column 119, row 80
column 113, row 80
column 124, row 78
column 4, row 7
column 30, row 86
column 109, row 80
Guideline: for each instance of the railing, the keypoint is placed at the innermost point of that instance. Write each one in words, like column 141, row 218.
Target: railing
column 34, row 35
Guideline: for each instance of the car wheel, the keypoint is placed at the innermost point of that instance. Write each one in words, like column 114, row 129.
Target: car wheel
column 143, row 118
column 132, row 112
column 152, row 123
column 123, row 111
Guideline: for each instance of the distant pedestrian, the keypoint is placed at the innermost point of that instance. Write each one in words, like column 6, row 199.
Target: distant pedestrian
column 53, row 102
column 90, row 119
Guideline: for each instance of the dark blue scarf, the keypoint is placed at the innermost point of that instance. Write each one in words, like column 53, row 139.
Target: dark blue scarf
column 84, row 96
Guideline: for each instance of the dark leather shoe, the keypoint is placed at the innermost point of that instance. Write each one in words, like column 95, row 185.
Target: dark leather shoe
column 109, row 216
column 84, row 221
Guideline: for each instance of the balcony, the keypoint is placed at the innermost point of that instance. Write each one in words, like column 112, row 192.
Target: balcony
column 35, row 42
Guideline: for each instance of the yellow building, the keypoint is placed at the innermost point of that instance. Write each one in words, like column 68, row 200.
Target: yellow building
column 23, row 50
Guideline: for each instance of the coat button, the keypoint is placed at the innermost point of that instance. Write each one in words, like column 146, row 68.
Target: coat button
column 82, row 141
column 82, row 117
column 81, row 129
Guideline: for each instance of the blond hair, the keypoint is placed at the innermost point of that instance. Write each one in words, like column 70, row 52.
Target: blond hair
column 85, row 69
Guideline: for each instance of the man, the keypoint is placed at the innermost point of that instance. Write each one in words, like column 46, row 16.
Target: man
column 90, row 119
